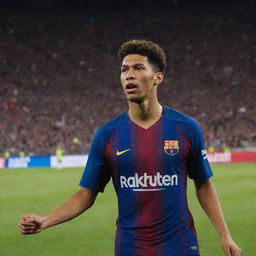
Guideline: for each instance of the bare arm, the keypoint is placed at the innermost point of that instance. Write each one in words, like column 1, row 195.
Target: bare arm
column 74, row 206
column 209, row 201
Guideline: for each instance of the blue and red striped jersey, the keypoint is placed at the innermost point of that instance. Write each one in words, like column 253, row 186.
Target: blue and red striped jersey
column 149, row 170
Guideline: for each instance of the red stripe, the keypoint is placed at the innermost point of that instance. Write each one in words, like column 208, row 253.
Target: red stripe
column 149, row 206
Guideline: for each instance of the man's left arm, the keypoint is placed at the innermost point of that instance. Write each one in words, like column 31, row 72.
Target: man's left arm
column 208, row 198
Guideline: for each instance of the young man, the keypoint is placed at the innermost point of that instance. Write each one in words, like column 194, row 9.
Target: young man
column 148, row 152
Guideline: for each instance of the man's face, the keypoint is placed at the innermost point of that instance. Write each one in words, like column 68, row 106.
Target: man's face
column 138, row 78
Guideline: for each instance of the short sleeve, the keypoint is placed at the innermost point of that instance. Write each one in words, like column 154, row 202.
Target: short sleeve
column 198, row 165
column 96, row 173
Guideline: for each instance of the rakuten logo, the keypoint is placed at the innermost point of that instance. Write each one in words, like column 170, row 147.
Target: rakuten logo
column 148, row 182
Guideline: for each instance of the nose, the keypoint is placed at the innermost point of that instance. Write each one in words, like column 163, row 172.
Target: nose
column 130, row 75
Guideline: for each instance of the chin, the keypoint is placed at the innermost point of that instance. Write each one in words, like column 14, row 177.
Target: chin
column 137, row 100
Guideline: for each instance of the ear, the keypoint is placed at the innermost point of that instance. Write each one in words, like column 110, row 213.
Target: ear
column 158, row 78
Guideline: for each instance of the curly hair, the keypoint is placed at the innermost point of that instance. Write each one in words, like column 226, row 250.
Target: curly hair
column 156, row 55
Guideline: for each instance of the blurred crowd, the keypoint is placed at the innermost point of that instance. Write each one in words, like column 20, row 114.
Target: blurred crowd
column 59, row 73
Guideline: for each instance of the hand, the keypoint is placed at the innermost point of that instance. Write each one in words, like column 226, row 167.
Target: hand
column 230, row 248
column 31, row 224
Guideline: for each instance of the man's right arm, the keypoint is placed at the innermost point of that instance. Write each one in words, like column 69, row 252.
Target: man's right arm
column 74, row 206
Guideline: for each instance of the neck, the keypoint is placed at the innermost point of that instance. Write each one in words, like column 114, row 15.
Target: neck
column 147, row 111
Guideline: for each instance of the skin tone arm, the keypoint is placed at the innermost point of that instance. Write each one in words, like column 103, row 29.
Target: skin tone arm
column 209, row 201
column 74, row 206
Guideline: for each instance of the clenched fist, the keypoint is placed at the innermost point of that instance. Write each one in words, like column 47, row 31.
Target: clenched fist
column 31, row 224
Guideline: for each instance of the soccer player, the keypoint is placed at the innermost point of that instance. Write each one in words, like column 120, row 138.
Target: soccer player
column 148, row 152
column 59, row 153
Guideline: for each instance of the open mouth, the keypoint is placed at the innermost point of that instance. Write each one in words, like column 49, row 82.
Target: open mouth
column 131, row 87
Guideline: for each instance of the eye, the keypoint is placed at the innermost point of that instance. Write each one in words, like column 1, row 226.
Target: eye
column 140, row 68
column 124, row 70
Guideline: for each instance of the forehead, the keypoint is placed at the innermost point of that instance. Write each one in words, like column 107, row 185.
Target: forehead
column 132, row 59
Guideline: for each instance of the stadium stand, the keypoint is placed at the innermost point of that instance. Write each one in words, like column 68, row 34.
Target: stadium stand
column 59, row 74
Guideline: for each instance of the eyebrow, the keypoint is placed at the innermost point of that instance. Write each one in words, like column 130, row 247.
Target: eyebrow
column 134, row 65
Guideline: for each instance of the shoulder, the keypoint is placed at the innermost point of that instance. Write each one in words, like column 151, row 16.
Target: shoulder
column 181, row 119
column 107, row 129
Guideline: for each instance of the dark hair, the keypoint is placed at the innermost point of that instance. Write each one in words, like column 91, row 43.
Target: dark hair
column 156, row 55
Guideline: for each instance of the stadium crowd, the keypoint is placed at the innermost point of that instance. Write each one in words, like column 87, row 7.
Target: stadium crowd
column 59, row 74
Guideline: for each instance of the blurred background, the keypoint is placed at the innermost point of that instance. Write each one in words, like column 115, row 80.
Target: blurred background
column 59, row 73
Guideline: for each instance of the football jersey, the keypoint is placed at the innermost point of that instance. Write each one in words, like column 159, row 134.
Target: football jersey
column 149, row 170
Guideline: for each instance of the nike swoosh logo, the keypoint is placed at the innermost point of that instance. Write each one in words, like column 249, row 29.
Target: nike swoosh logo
column 118, row 153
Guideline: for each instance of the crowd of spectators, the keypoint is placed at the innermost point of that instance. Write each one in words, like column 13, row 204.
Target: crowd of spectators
column 59, row 74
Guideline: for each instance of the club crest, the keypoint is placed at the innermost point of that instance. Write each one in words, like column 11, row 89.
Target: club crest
column 171, row 147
